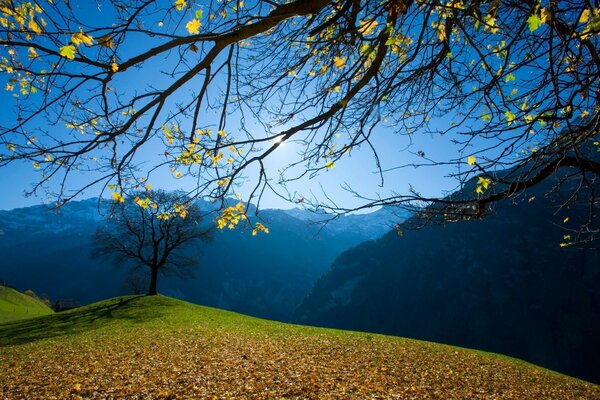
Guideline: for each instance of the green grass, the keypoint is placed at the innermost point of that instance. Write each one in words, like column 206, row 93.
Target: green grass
column 15, row 305
column 158, row 347
column 123, row 315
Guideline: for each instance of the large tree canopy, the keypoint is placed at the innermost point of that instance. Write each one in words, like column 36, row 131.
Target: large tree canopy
column 220, row 85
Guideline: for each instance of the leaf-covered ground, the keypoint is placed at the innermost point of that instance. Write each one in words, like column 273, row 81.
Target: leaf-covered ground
column 153, row 348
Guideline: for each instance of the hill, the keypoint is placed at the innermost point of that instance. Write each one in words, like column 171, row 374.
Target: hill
column 501, row 284
column 264, row 276
column 159, row 347
column 15, row 305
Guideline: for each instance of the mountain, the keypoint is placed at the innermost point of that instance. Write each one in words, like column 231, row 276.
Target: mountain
column 266, row 275
column 501, row 284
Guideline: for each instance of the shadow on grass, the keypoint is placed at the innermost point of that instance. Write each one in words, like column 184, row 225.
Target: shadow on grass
column 76, row 321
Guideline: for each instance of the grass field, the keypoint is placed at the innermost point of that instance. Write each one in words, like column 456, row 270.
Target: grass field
column 15, row 305
column 157, row 347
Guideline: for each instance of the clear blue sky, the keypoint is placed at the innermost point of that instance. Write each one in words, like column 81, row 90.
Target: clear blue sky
column 358, row 170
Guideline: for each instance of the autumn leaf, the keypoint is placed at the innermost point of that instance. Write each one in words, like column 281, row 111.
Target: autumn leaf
column 193, row 27
column 471, row 160
column 114, row 67
column 340, row 62
column 68, row 52
column 116, row 196
column 510, row 117
column 34, row 26
column 329, row 164
column 585, row 16
column 82, row 38
column 545, row 15
column 32, row 53
column 490, row 24
column 367, row 27
column 180, row 4
column 484, row 182
column 106, row 41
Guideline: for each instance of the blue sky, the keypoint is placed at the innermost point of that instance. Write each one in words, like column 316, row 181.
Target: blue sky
column 358, row 170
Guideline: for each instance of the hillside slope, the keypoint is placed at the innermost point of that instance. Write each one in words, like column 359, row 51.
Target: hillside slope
column 15, row 305
column 164, row 348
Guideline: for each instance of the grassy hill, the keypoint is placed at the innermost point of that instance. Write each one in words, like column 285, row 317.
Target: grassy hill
column 15, row 305
column 158, row 347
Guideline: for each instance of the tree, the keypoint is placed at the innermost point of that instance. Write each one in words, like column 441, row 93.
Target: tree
column 512, row 85
column 154, row 231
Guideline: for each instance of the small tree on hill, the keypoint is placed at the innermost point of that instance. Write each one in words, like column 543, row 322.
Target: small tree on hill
column 153, row 230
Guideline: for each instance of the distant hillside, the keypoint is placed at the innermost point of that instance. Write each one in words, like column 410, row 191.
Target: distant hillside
column 266, row 275
column 157, row 347
column 15, row 305
column 501, row 284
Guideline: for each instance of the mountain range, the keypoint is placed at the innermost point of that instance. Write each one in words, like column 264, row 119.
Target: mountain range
column 49, row 251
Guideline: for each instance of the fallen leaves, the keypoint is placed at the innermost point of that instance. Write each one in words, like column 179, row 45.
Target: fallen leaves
column 216, row 359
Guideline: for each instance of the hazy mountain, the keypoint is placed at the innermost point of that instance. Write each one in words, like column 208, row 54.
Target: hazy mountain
column 266, row 275
column 501, row 284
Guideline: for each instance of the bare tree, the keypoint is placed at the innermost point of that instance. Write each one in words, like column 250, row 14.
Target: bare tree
column 513, row 84
column 155, row 231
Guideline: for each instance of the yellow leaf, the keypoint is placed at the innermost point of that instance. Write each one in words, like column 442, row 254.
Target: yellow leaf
column 471, row 160
column 329, row 164
column 479, row 190
column 340, row 62
column 367, row 27
column 68, row 52
column 585, row 16
column 490, row 24
column 114, row 67
column 148, row 186
column 180, row 4
column 565, row 220
column 34, row 26
column 193, row 27
column 484, row 182
column 116, row 196
column 510, row 117
column 441, row 32
column 545, row 15
column 80, row 37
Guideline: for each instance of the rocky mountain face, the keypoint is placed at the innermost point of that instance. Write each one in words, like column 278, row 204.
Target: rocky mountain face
column 266, row 275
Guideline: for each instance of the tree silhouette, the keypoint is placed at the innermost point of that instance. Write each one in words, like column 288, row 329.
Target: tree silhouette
column 154, row 231
column 513, row 85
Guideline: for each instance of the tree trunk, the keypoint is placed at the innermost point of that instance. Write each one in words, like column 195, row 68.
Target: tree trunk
column 153, row 279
